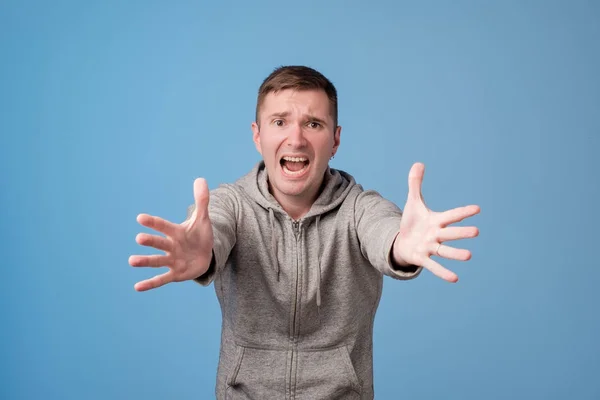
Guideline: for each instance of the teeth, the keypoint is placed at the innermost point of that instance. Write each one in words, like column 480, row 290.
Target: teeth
column 295, row 159
column 288, row 172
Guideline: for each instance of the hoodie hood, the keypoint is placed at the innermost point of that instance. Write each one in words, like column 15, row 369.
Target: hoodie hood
column 334, row 190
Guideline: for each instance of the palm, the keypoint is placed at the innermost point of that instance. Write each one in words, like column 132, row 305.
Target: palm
column 423, row 231
column 187, row 246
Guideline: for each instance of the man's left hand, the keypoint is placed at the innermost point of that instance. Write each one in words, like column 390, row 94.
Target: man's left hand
column 423, row 232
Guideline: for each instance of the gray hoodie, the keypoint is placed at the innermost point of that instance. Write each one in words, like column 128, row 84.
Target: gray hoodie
column 298, row 298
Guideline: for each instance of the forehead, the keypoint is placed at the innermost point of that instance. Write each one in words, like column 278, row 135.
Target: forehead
column 313, row 102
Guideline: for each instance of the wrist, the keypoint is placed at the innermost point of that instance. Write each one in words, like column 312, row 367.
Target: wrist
column 398, row 263
column 396, row 259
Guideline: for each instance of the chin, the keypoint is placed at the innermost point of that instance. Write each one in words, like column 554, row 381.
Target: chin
column 292, row 189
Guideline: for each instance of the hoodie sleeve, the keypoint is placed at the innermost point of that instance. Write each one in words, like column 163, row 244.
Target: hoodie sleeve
column 222, row 210
column 377, row 223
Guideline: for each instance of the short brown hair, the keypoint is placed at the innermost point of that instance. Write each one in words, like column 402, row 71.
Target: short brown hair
column 298, row 77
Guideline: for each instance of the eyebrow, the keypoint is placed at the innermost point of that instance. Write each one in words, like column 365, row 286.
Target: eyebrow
column 279, row 115
column 286, row 114
column 316, row 119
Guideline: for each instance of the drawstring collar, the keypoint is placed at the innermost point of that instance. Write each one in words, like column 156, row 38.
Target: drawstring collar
column 274, row 252
column 336, row 186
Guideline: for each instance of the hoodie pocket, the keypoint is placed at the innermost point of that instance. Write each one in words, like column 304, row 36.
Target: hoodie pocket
column 256, row 374
column 313, row 374
column 327, row 374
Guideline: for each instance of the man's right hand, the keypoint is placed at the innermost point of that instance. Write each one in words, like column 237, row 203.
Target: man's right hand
column 188, row 246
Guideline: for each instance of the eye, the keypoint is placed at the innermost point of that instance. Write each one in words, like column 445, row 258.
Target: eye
column 314, row 125
column 278, row 122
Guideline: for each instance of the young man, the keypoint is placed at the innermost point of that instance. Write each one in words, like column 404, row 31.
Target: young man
column 297, row 252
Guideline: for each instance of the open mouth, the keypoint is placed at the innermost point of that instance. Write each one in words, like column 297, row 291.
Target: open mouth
column 294, row 166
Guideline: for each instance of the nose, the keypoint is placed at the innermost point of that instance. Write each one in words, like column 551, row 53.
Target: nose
column 296, row 137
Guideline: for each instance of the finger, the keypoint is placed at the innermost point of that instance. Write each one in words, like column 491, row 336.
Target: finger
column 158, row 224
column 158, row 242
column 457, row 233
column 458, row 214
column 439, row 271
column 155, row 282
column 415, row 181
column 451, row 253
column 201, row 197
column 149, row 261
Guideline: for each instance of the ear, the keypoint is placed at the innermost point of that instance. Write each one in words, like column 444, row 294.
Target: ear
column 336, row 140
column 256, row 137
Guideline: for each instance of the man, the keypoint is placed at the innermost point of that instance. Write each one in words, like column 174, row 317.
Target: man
column 297, row 252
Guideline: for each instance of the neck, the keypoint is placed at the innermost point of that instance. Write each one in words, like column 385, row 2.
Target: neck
column 295, row 206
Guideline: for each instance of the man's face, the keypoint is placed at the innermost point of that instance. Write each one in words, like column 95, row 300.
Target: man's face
column 296, row 139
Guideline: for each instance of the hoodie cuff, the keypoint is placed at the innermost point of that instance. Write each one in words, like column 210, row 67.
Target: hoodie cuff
column 400, row 272
column 206, row 278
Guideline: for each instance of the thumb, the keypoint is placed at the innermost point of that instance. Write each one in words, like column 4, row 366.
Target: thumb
column 415, row 181
column 201, row 198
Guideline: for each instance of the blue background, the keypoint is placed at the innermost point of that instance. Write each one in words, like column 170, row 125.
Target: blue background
column 110, row 108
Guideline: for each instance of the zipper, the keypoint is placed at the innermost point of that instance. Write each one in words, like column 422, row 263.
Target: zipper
column 296, row 229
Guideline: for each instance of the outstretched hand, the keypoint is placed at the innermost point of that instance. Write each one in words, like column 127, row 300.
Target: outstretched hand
column 423, row 232
column 187, row 246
